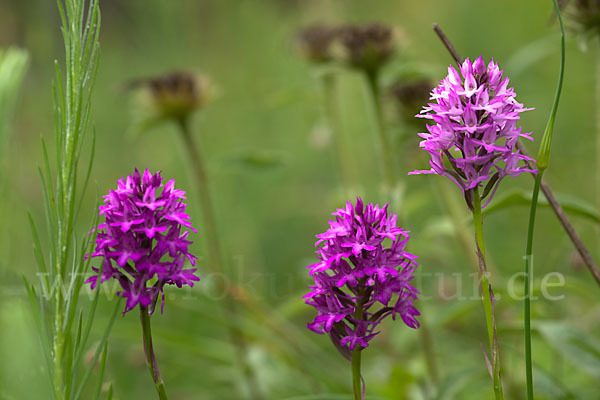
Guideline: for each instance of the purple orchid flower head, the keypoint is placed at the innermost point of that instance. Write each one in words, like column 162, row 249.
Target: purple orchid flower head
column 473, row 134
column 141, row 242
column 363, row 275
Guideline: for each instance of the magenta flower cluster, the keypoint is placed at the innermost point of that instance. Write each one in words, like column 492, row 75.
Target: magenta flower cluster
column 141, row 242
column 363, row 276
column 474, row 133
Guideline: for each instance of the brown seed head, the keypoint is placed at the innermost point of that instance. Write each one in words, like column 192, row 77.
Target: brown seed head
column 315, row 42
column 583, row 16
column 411, row 96
column 366, row 47
column 175, row 95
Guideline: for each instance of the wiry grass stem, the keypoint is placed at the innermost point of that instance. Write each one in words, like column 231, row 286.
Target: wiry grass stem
column 527, row 301
column 384, row 143
column 340, row 149
column 543, row 159
column 597, row 112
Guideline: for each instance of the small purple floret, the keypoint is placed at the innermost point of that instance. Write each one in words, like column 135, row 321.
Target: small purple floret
column 473, row 137
column 141, row 239
column 363, row 266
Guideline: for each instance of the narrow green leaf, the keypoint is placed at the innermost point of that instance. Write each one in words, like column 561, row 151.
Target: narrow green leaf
column 37, row 250
column 39, row 317
column 109, row 393
column 47, row 185
column 100, row 346
column 551, row 385
column 88, row 173
column 101, row 371
column 582, row 350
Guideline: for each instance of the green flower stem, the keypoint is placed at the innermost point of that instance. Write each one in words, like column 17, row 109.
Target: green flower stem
column 528, row 262
column 214, row 252
column 598, row 127
column 208, row 216
column 384, row 143
column 543, row 159
column 356, row 353
column 356, row 383
column 342, row 154
column 486, row 291
column 150, row 358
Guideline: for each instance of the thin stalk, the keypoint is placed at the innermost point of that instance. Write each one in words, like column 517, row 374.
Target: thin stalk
column 58, row 346
column 208, row 216
column 486, row 291
column 356, row 383
column 356, row 353
column 214, row 251
column 528, row 262
column 343, row 156
column 543, row 159
column 597, row 112
column 150, row 358
column 384, row 143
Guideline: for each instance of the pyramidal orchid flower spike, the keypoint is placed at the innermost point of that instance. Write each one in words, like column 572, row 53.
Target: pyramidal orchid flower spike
column 360, row 278
column 472, row 137
column 142, row 241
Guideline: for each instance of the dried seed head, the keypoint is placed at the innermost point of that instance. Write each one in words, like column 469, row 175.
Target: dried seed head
column 410, row 96
column 583, row 16
column 366, row 47
column 178, row 94
column 315, row 42
column 175, row 95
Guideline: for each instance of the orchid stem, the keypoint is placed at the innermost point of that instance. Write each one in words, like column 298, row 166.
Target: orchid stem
column 486, row 291
column 598, row 127
column 527, row 304
column 150, row 358
column 356, row 383
column 356, row 353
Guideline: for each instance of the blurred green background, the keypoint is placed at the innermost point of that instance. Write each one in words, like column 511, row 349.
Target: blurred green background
column 274, row 182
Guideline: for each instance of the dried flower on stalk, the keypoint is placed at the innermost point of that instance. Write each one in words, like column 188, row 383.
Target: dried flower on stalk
column 583, row 15
column 361, row 278
column 474, row 133
column 366, row 47
column 173, row 96
column 316, row 42
column 410, row 96
column 141, row 243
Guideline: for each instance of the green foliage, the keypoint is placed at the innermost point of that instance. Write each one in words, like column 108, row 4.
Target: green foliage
column 582, row 350
column 13, row 64
column 64, row 329
column 271, row 103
